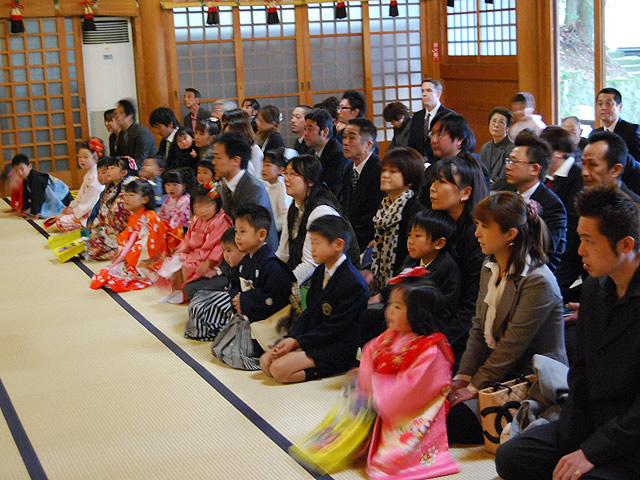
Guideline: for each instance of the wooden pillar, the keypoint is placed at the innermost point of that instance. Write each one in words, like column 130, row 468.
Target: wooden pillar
column 537, row 70
column 152, row 70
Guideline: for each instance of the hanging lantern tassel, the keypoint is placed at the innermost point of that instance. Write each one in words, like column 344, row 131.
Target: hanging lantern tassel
column 393, row 8
column 17, row 25
column 272, row 14
column 213, row 17
column 341, row 10
column 88, row 24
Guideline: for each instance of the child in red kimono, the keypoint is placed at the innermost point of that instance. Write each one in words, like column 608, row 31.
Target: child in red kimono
column 407, row 371
column 142, row 245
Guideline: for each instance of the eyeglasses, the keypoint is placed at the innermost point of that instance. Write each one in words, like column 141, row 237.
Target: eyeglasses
column 508, row 161
column 346, row 108
column 291, row 174
column 498, row 122
column 439, row 134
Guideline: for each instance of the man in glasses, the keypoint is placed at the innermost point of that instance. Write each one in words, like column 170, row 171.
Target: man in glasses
column 526, row 168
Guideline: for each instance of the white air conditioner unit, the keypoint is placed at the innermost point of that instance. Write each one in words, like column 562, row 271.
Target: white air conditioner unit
column 109, row 69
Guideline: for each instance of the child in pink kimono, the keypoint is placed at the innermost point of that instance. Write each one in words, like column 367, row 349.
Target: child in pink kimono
column 407, row 371
column 196, row 262
column 175, row 210
column 142, row 245
column 76, row 214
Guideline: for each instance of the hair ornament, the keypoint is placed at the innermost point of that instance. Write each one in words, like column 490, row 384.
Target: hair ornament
column 96, row 145
column 214, row 189
column 132, row 163
column 408, row 273
column 533, row 210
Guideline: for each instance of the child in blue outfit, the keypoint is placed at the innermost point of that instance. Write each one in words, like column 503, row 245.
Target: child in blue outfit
column 42, row 195
column 324, row 340
column 265, row 280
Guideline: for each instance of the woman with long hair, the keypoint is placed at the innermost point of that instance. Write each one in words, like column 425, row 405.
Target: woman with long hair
column 518, row 310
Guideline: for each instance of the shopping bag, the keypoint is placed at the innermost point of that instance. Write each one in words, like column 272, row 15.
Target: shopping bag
column 498, row 405
column 342, row 437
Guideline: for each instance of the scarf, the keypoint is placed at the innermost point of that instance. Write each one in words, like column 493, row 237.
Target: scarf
column 385, row 241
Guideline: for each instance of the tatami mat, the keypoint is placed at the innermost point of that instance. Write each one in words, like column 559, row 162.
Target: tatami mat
column 101, row 397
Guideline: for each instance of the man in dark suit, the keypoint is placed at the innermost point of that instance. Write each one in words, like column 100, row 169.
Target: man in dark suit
column 609, row 105
column 564, row 178
column 134, row 140
column 526, row 170
column 231, row 155
column 352, row 105
column 191, row 101
column 361, row 194
column 297, row 127
column 598, row 433
column 318, row 128
column 164, row 124
column 423, row 121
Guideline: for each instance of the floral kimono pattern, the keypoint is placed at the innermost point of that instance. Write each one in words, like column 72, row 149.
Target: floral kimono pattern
column 83, row 204
column 111, row 220
column 409, row 377
column 175, row 214
column 143, row 248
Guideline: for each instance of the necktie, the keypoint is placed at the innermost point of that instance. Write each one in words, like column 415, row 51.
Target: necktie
column 549, row 183
column 354, row 178
column 427, row 130
column 326, row 278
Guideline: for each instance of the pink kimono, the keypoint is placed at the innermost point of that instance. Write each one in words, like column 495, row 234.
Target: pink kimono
column 409, row 377
column 175, row 213
column 201, row 243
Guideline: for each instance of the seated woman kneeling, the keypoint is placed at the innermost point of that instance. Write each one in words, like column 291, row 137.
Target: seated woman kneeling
column 518, row 311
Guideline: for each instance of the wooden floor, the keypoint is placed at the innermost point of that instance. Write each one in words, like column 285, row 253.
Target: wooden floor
column 95, row 385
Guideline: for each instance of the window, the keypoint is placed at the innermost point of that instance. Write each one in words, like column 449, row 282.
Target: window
column 478, row 28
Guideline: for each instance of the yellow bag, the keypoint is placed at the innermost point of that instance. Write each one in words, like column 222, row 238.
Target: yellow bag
column 342, row 436
column 67, row 245
column 498, row 405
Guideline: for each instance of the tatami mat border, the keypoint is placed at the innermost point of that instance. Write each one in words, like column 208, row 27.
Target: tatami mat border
column 27, row 452
column 264, row 426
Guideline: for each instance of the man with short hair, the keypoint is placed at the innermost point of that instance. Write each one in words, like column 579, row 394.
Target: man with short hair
column 609, row 106
column 191, row 101
column 598, row 433
column 352, row 105
column 424, row 120
column 231, row 155
column 134, row 140
column 318, row 135
column 604, row 161
column 361, row 194
column 573, row 125
column 297, row 127
column 164, row 124
column 526, row 170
